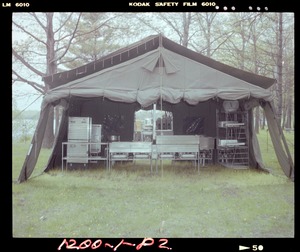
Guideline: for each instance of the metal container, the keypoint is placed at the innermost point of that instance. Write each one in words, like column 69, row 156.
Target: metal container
column 79, row 135
column 114, row 138
column 77, row 153
column 79, row 129
column 206, row 143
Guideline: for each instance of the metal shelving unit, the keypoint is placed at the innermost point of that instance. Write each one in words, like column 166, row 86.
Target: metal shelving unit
column 232, row 139
column 84, row 144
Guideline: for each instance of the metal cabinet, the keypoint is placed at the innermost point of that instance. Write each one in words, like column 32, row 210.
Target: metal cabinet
column 79, row 129
column 84, row 144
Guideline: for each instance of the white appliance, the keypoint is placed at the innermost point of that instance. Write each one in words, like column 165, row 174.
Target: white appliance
column 79, row 129
column 79, row 137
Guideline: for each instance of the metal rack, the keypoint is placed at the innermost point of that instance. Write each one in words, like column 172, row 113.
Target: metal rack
column 84, row 144
column 206, row 150
column 232, row 139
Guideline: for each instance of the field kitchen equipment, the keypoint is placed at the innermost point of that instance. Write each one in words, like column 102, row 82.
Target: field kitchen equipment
column 79, row 135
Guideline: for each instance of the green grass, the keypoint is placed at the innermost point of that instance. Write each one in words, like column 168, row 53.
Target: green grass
column 130, row 202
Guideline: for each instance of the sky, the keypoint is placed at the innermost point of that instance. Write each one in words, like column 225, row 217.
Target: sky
column 25, row 97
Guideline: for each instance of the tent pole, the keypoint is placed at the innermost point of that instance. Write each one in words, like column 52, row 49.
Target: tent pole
column 154, row 123
column 160, row 67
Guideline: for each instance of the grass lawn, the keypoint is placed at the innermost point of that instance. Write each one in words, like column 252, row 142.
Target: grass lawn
column 130, row 202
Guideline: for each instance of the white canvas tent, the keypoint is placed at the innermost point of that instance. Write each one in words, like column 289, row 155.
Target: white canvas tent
column 155, row 70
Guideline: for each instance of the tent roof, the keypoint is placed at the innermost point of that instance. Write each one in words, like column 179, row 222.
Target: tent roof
column 148, row 44
column 154, row 68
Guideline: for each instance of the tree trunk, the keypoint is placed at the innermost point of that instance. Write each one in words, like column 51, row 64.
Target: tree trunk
column 186, row 28
column 51, row 69
column 283, row 117
column 288, row 123
column 208, row 37
column 257, row 114
column 279, row 69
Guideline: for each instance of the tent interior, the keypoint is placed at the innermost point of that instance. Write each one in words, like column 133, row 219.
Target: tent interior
column 161, row 75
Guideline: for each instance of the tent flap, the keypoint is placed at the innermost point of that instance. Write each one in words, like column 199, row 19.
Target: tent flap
column 35, row 146
column 278, row 139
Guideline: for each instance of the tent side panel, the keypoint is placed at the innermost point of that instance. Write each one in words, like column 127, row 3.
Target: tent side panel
column 255, row 157
column 277, row 137
column 117, row 118
column 55, row 158
column 184, row 113
column 35, row 147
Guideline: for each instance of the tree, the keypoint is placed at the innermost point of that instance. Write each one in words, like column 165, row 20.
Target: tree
column 279, row 66
column 288, row 91
column 206, row 37
column 288, row 72
column 282, row 53
column 49, row 45
column 97, row 35
column 40, row 53
column 254, row 45
column 176, row 26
